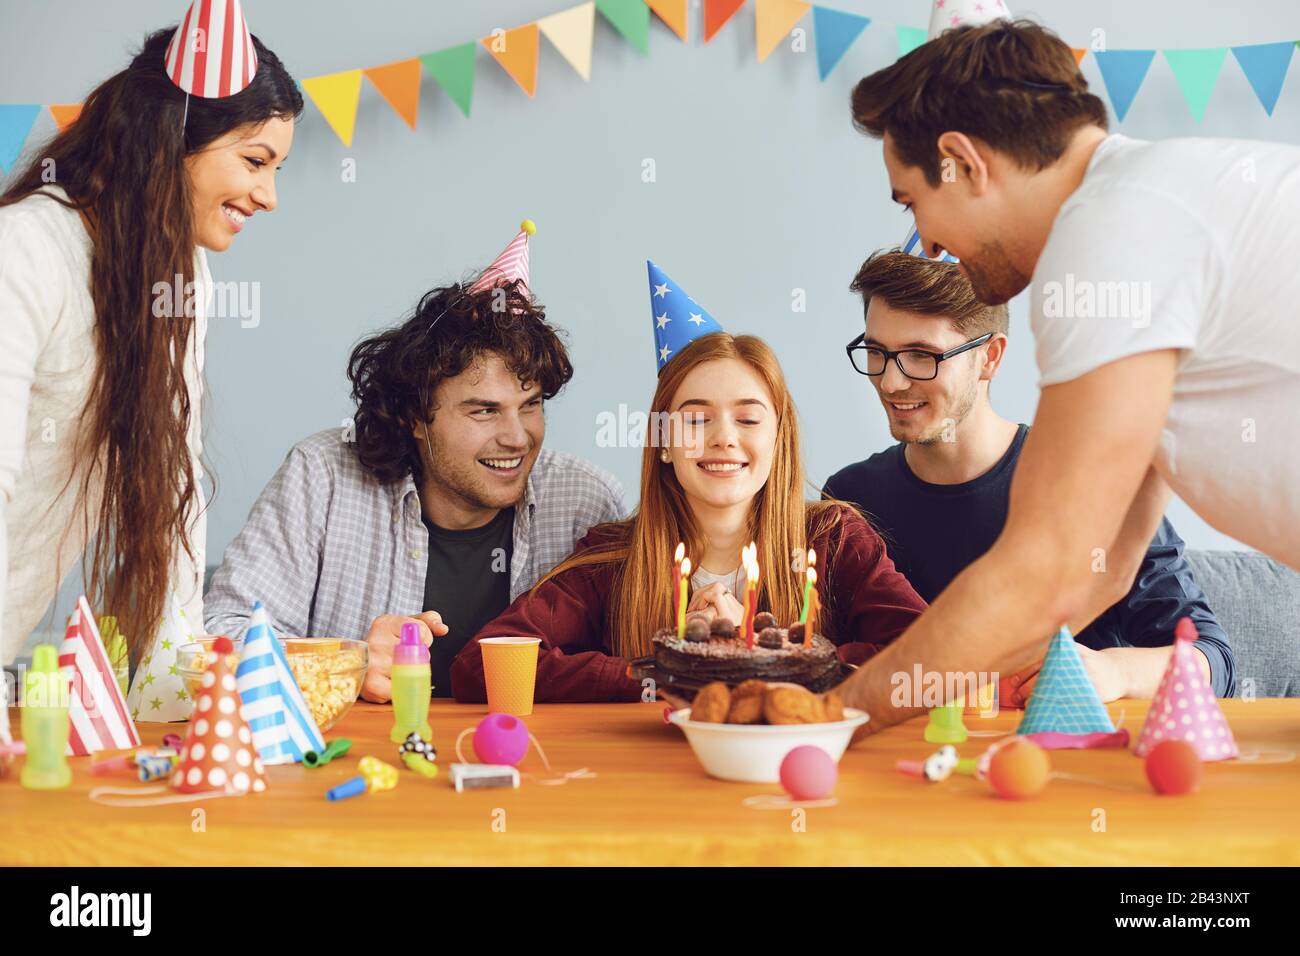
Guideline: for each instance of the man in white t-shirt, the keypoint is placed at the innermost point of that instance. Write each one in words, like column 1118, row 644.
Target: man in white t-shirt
column 1163, row 299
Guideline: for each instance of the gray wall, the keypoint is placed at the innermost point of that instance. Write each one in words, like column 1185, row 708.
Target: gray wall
column 762, row 187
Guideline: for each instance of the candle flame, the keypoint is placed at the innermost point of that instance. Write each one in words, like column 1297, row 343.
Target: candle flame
column 686, row 567
column 812, row 575
column 812, row 557
column 679, row 553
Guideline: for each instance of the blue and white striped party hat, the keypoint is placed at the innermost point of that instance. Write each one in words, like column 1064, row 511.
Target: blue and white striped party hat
column 912, row 246
column 1064, row 700
column 678, row 319
column 281, row 722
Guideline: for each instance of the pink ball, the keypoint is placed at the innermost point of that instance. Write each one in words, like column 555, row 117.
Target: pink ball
column 808, row 773
column 501, row 739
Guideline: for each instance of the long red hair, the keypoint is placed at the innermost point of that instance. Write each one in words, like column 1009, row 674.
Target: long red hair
column 781, row 522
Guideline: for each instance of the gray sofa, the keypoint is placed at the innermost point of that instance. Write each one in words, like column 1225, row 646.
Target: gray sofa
column 1257, row 601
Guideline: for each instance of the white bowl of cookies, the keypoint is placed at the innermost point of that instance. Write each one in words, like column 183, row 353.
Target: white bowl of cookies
column 743, row 733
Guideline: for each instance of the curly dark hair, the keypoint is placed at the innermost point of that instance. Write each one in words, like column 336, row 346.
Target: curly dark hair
column 394, row 374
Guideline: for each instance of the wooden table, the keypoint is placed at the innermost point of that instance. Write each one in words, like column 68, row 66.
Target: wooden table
column 651, row 804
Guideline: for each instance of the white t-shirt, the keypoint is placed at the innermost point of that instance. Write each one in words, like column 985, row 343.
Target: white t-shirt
column 1192, row 244
column 47, row 356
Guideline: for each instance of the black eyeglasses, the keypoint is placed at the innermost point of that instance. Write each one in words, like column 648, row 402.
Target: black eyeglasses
column 917, row 364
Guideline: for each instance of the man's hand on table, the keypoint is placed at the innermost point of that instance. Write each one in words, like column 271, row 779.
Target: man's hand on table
column 384, row 635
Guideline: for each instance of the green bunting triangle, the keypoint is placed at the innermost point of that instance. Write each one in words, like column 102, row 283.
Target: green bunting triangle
column 909, row 38
column 453, row 68
column 1196, row 72
column 630, row 18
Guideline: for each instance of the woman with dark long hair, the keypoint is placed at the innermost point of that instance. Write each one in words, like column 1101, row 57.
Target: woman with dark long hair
column 103, row 277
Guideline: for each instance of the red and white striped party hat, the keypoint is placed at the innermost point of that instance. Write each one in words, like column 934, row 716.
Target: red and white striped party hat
column 211, row 54
column 1185, row 707
column 96, row 706
column 218, row 753
column 512, row 264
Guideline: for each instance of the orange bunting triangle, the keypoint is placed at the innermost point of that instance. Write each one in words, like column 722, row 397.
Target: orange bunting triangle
column 65, row 114
column 1079, row 54
column 773, row 20
column 399, row 84
column 335, row 95
column 674, row 14
column 716, row 15
column 516, row 51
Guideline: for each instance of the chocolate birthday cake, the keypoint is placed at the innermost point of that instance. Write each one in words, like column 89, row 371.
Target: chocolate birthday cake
column 717, row 652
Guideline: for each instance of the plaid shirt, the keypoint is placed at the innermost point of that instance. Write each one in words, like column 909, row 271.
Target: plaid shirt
column 328, row 549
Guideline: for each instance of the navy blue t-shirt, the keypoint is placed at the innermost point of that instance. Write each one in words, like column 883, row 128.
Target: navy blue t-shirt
column 934, row 531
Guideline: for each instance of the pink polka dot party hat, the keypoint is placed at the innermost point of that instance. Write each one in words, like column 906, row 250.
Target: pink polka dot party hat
column 1184, row 707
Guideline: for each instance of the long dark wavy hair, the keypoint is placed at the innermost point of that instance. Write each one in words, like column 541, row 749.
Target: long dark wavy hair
column 122, row 165
column 394, row 374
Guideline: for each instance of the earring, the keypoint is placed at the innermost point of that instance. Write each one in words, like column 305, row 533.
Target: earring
column 664, row 456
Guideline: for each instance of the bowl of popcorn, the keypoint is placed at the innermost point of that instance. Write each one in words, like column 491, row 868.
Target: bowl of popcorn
column 329, row 671
column 743, row 733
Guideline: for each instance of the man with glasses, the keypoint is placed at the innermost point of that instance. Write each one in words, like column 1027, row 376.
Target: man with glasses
column 939, row 497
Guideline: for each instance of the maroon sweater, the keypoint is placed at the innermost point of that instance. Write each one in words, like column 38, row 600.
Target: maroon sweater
column 870, row 603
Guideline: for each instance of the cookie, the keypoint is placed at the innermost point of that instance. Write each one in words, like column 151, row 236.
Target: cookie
column 711, row 703
column 834, row 705
column 791, row 705
column 746, row 709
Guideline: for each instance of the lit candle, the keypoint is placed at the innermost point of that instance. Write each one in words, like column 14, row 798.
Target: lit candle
column 809, row 576
column 751, row 594
column 677, row 569
column 744, row 563
column 684, row 577
column 814, row 604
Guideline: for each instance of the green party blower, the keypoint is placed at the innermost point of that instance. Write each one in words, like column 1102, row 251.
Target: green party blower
column 412, row 686
column 45, row 722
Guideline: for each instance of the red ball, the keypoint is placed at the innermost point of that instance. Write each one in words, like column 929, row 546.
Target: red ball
column 1019, row 769
column 808, row 773
column 1174, row 767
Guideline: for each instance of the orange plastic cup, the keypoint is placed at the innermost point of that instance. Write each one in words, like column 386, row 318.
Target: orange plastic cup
column 510, row 671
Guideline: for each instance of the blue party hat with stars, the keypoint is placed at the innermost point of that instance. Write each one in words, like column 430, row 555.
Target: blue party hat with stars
column 678, row 319
column 1064, row 700
column 912, row 246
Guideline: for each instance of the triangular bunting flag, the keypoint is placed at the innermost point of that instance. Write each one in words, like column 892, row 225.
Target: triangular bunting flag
column 1079, row 53
column 716, row 15
column 65, row 114
column 218, row 753
column 15, row 123
column 453, row 70
column 674, row 14
column 1265, row 66
column 336, row 95
column 677, row 318
column 158, row 691
column 909, row 38
column 630, row 18
column 1184, row 707
column 773, row 20
column 570, row 32
column 1123, row 72
column 1196, row 72
column 516, row 51
column 835, row 32
column 277, row 714
column 1064, row 700
column 399, row 84
column 96, row 708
